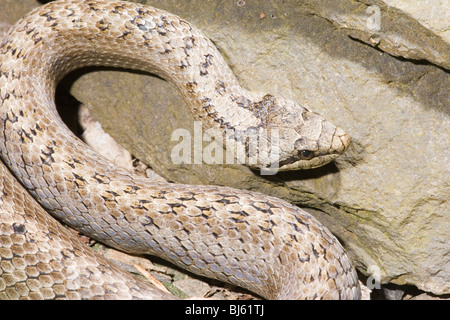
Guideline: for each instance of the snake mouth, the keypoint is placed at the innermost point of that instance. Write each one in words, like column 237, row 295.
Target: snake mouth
column 302, row 155
column 310, row 159
column 296, row 163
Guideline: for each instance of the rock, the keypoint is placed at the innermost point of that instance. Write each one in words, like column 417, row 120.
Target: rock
column 425, row 296
column 193, row 287
column 416, row 29
column 393, row 292
column 387, row 85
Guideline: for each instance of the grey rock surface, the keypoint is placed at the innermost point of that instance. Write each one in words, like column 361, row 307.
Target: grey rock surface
column 415, row 30
column 386, row 84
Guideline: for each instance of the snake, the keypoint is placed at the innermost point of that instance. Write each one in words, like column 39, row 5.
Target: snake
column 254, row 241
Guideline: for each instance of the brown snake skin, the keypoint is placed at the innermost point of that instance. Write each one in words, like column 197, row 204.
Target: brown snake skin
column 254, row 241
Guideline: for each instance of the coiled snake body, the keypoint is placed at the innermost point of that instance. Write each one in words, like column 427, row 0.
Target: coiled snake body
column 251, row 240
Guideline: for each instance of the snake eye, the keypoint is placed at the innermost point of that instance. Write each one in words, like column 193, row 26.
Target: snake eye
column 306, row 154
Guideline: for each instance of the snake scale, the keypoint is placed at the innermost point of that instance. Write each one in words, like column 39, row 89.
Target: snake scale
column 254, row 241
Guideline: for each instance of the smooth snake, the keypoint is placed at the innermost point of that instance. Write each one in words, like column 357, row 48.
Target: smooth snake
column 254, row 241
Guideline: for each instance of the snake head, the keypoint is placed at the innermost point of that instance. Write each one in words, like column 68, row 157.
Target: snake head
column 299, row 138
